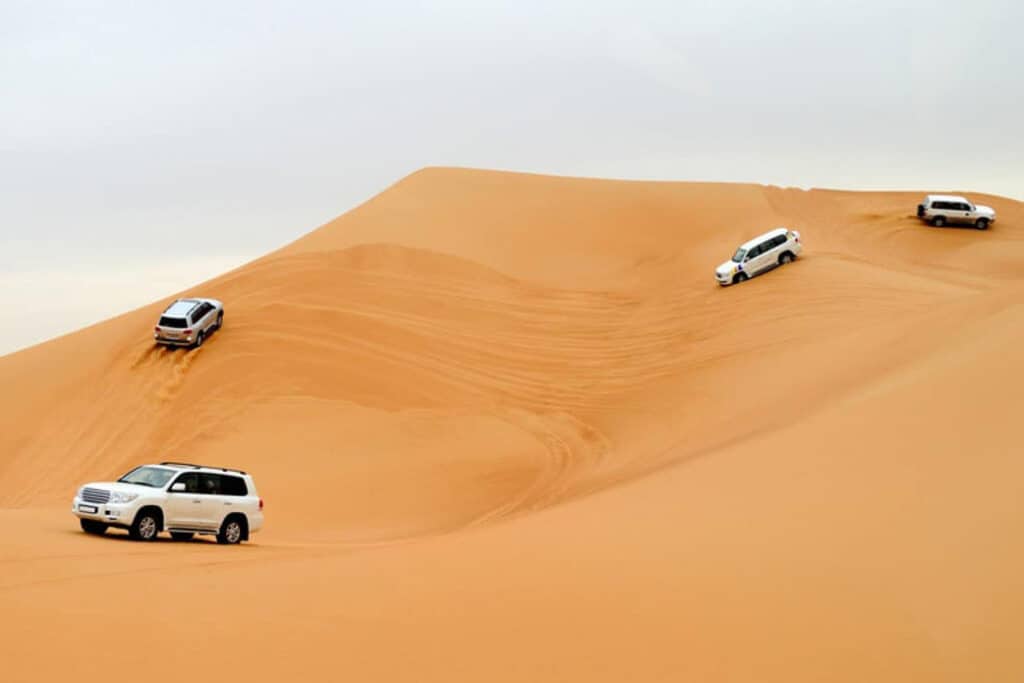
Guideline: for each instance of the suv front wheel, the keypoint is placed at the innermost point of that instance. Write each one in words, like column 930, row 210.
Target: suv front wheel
column 146, row 525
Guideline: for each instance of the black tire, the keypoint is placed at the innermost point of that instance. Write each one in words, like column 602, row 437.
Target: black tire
column 740, row 277
column 939, row 221
column 146, row 525
column 91, row 526
column 786, row 257
column 232, row 531
column 220, row 320
column 199, row 340
column 182, row 535
column 981, row 224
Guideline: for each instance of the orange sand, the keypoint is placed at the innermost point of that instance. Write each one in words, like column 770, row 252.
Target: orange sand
column 508, row 428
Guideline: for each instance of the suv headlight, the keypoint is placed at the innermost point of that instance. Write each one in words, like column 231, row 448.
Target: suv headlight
column 118, row 497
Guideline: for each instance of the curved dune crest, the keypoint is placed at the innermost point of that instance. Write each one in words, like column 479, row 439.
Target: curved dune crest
column 474, row 347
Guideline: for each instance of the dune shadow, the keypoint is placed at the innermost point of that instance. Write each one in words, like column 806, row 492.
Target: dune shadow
column 123, row 537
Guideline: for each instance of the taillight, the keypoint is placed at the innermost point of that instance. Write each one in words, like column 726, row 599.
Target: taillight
column 188, row 331
column 261, row 503
column 156, row 329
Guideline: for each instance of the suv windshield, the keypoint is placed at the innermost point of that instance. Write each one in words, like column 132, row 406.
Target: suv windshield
column 156, row 477
column 738, row 256
column 178, row 323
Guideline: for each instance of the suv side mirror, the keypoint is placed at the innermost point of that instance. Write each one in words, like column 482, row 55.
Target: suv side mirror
column 178, row 487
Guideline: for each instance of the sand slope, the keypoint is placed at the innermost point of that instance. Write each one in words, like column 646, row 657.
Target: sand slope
column 509, row 429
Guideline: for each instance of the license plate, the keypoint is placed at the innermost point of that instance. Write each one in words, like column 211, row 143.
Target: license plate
column 87, row 508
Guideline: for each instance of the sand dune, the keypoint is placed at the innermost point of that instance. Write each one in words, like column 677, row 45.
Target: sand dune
column 509, row 429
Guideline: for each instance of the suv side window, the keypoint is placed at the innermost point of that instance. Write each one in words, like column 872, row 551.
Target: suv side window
column 200, row 312
column 754, row 252
column 942, row 205
column 233, row 486
column 209, row 484
column 965, row 207
column 191, row 481
column 779, row 240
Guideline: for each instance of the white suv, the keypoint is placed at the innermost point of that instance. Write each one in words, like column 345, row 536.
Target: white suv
column 188, row 322
column 179, row 498
column 774, row 248
column 940, row 209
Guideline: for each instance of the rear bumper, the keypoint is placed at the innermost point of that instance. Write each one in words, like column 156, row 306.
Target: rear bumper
column 172, row 342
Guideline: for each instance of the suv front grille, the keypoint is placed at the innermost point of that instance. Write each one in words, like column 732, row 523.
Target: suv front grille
column 95, row 495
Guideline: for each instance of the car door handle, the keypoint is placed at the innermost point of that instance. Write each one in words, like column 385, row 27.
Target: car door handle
column 197, row 501
column 227, row 502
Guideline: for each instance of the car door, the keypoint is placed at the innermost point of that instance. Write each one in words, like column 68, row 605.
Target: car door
column 966, row 213
column 760, row 261
column 750, row 261
column 772, row 250
column 184, row 508
column 215, row 503
column 198, row 317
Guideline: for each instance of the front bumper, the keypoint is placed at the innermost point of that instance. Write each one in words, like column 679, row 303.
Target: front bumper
column 121, row 514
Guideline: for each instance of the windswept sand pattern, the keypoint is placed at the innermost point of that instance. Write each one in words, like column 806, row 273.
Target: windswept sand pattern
column 181, row 363
column 496, row 413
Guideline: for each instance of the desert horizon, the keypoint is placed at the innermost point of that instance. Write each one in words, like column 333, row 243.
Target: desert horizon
column 507, row 427
column 109, row 278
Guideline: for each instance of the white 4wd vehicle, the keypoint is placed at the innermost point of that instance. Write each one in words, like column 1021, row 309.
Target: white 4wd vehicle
column 770, row 250
column 940, row 209
column 189, row 322
column 179, row 498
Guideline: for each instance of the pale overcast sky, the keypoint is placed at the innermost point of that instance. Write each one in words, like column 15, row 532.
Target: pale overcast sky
column 145, row 146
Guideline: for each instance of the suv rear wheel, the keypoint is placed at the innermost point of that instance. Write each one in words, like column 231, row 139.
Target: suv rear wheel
column 785, row 258
column 199, row 340
column 90, row 526
column 232, row 530
column 939, row 221
column 220, row 320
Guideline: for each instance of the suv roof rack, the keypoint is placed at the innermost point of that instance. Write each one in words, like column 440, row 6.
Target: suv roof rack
column 201, row 467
